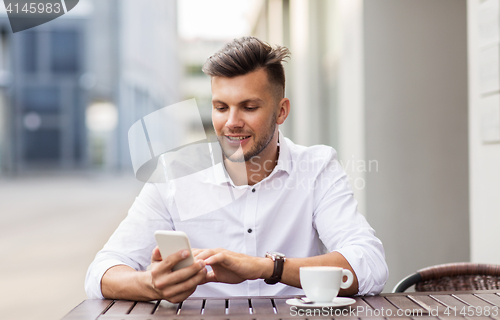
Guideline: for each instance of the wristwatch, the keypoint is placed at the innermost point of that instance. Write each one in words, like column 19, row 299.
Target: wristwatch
column 279, row 259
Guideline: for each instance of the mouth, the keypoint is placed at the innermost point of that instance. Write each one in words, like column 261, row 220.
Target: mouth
column 237, row 138
column 237, row 141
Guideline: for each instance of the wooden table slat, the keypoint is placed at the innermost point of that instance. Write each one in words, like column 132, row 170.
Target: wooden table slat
column 191, row 307
column 262, row 306
column 362, row 308
column 378, row 302
column 407, row 305
column 120, row 307
column 239, row 306
column 477, row 318
column 88, row 309
column 446, row 317
column 214, row 307
column 166, row 308
column 449, row 301
column 473, row 300
column 490, row 297
column 143, row 307
column 433, row 304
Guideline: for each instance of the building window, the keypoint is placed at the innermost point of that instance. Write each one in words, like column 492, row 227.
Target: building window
column 29, row 52
column 65, row 51
column 41, row 99
column 42, row 145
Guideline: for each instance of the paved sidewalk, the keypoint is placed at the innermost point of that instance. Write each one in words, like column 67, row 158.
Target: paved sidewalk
column 51, row 226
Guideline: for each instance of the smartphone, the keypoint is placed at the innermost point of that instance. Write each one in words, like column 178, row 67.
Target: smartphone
column 170, row 242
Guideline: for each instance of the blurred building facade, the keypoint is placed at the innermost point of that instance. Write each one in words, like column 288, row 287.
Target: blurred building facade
column 117, row 59
column 484, row 128
column 194, row 83
column 42, row 100
column 385, row 83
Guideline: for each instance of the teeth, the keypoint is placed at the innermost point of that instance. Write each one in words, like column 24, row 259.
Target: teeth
column 237, row 138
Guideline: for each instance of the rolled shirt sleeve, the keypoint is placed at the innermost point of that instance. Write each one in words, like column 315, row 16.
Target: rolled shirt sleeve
column 133, row 241
column 343, row 229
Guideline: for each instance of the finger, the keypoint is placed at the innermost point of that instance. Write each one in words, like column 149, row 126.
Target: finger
column 206, row 253
column 189, row 284
column 156, row 255
column 205, row 280
column 164, row 267
column 196, row 251
column 166, row 279
column 220, row 258
column 188, row 272
column 181, row 296
column 210, row 277
column 170, row 261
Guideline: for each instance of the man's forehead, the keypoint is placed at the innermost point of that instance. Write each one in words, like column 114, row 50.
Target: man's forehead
column 251, row 86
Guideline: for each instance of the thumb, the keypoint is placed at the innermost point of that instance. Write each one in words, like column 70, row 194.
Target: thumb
column 210, row 277
column 156, row 256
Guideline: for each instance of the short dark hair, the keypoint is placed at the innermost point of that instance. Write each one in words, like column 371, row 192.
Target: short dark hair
column 247, row 54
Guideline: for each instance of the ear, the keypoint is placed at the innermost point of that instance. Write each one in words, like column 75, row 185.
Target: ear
column 283, row 110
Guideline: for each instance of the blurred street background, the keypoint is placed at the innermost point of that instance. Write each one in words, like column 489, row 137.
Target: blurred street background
column 51, row 227
column 407, row 92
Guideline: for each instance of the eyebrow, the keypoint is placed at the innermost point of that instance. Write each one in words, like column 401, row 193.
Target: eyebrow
column 255, row 100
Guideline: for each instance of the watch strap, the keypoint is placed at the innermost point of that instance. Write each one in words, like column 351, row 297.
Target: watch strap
column 278, row 270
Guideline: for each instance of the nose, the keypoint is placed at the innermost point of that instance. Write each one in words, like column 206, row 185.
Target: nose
column 234, row 119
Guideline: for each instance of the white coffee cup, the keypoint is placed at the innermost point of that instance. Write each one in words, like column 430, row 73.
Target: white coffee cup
column 322, row 284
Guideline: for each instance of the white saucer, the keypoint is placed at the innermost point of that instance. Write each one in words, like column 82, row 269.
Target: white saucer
column 337, row 302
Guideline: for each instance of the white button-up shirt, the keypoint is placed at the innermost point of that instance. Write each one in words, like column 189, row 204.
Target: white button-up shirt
column 304, row 208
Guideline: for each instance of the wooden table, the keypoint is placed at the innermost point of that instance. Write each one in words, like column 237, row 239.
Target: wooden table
column 480, row 305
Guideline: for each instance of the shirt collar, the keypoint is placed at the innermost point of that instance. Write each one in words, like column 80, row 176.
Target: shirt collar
column 221, row 176
column 284, row 158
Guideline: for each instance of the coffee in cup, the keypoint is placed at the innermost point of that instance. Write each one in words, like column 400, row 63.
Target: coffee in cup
column 322, row 283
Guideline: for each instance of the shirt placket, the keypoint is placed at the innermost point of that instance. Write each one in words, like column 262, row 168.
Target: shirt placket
column 250, row 233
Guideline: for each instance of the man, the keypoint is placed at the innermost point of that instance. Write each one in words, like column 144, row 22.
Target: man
column 294, row 200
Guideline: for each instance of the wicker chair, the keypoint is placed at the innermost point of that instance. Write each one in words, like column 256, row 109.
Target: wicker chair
column 453, row 277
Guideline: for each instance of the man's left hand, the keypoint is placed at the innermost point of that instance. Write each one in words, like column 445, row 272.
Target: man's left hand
column 232, row 267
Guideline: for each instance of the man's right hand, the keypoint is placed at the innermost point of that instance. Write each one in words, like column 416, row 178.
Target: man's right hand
column 175, row 286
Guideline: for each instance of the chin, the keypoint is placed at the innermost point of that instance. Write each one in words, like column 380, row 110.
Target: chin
column 238, row 158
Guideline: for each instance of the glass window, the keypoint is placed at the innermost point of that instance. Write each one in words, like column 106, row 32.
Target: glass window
column 29, row 51
column 64, row 51
column 42, row 145
column 41, row 99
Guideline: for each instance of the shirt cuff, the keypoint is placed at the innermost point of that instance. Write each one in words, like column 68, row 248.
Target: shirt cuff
column 368, row 284
column 94, row 276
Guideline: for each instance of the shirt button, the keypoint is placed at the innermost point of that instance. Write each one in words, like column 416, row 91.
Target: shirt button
column 249, row 230
column 253, row 190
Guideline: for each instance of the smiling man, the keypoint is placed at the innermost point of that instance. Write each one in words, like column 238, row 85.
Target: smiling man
column 247, row 110
column 296, row 209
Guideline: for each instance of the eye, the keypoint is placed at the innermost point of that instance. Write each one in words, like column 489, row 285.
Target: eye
column 220, row 108
column 250, row 108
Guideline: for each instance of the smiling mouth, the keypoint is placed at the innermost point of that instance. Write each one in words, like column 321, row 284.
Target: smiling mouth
column 237, row 138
